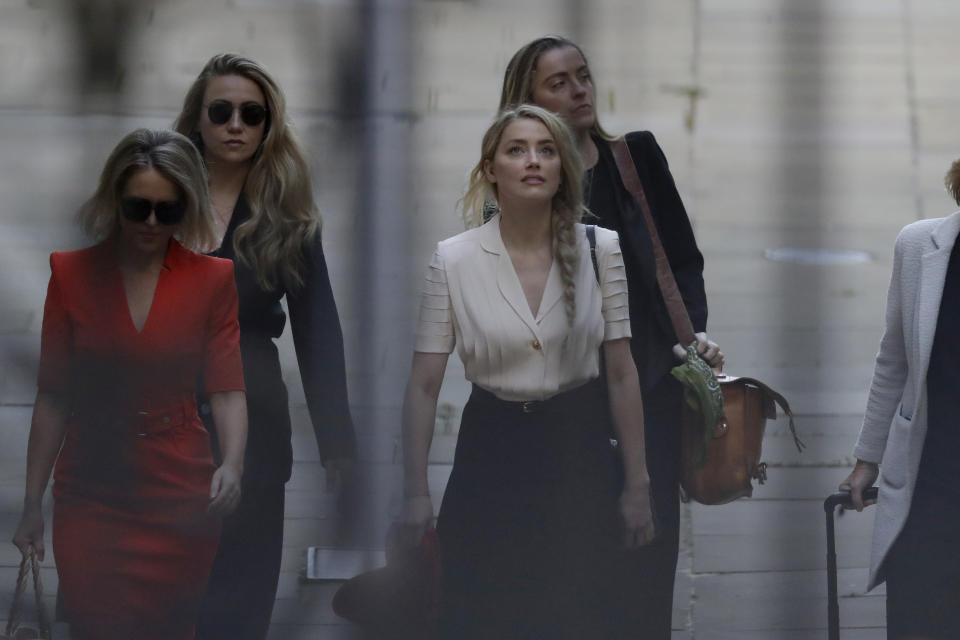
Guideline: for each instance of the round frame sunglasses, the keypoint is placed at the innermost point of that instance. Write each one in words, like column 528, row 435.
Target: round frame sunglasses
column 139, row 210
column 251, row 113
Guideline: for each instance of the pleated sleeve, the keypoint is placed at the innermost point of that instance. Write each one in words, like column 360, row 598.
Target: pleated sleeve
column 613, row 286
column 435, row 329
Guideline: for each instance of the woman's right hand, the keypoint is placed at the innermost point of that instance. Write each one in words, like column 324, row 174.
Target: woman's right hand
column 416, row 517
column 707, row 348
column 862, row 477
column 637, row 515
column 29, row 532
column 225, row 490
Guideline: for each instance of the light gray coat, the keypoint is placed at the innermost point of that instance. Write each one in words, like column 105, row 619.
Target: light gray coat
column 895, row 422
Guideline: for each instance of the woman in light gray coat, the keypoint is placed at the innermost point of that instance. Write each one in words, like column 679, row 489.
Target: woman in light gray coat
column 910, row 436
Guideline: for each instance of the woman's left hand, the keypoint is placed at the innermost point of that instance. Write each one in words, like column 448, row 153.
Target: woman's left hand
column 707, row 348
column 637, row 516
column 224, row 491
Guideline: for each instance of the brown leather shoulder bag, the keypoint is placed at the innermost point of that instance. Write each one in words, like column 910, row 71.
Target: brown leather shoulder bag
column 732, row 457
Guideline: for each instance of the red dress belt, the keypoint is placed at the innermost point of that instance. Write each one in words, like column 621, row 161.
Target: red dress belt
column 156, row 421
column 144, row 422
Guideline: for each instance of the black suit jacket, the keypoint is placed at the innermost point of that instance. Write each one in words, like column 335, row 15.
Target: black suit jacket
column 318, row 341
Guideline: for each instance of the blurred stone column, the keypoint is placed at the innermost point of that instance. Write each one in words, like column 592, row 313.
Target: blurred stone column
column 384, row 218
column 103, row 28
column 575, row 17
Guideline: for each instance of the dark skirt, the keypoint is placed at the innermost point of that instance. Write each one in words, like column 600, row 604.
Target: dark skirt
column 923, row 568
column 529, row 526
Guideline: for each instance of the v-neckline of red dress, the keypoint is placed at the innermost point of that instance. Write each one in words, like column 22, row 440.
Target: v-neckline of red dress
column 125, row 302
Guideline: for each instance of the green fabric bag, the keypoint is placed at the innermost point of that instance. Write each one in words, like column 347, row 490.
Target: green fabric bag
column 702, row 396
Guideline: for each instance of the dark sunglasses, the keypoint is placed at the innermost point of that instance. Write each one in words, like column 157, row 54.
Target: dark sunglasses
column 139, row 209
column 220, row 111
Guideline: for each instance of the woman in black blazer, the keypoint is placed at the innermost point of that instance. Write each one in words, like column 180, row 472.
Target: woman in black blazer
column 263, row 204
column 552, row 72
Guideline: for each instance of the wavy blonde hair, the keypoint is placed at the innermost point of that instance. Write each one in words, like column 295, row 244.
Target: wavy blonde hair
column 568, row 209
column 521, row 73
column 175, row 158
column 283, row 214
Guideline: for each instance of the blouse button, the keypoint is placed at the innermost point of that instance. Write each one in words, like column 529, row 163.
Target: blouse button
column 536, row 345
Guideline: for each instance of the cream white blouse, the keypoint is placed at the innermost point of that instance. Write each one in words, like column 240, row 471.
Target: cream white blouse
column 472, row 298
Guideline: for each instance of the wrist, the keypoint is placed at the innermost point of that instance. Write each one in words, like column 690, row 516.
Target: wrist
column 637, row 480
column 637, row 484
column 234, row 464
column 416, row 485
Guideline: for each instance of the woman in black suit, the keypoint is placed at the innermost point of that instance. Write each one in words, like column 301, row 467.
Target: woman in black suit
column 552, row 73
column 266, row 216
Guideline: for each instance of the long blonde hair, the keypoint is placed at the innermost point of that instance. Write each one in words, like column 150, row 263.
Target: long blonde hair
column 283, row 214
column 175, row 158
column 567, row 203
column 521, row 73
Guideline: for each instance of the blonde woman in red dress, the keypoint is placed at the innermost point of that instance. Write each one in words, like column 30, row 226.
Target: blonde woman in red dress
column 128, row 325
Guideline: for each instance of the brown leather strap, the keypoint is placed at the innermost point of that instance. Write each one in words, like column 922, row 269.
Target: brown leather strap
column 777, row 397
column 668, row 284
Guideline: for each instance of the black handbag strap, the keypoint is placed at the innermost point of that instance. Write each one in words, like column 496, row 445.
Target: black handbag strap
column 592, row 239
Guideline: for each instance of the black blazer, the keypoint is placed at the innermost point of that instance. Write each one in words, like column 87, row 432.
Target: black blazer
column 653, row 335
column 318, row 341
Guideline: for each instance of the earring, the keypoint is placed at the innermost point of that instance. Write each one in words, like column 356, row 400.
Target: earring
column 490, row 209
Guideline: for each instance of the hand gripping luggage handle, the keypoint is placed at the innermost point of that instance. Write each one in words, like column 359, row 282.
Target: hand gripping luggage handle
column 833, row 605
column 843, row 498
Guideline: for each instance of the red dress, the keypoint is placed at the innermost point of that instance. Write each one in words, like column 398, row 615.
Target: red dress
column 132, row 539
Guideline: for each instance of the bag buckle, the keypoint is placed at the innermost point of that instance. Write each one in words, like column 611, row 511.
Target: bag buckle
column 760, row 472
column 721, row 429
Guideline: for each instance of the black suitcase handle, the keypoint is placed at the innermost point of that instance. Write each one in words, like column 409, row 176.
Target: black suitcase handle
column 833, row 605
column 843, row 499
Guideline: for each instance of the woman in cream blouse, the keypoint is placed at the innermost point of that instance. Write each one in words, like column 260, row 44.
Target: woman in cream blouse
column 531, row 527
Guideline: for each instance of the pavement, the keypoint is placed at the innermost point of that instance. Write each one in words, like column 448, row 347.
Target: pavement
column 815, row 125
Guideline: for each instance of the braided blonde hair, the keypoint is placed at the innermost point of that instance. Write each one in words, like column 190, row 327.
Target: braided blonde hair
column 568, row 208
